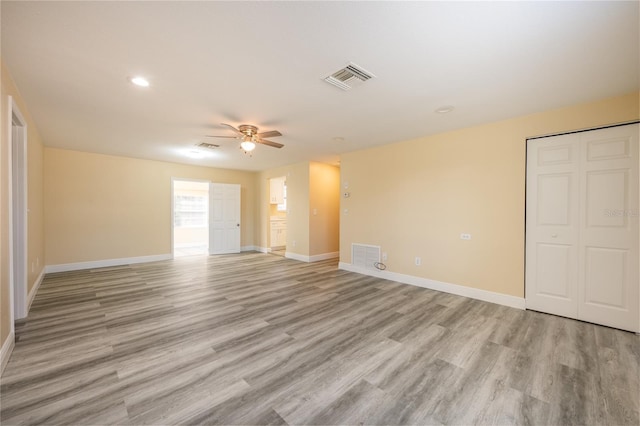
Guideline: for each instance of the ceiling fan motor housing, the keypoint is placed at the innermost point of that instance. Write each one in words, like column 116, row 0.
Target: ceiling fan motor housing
column 248, row 129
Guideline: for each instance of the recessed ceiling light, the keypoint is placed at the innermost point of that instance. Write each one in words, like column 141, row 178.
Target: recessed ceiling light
column 338, row 139
column 444, row 109
column 140, row 81
column 194, row 153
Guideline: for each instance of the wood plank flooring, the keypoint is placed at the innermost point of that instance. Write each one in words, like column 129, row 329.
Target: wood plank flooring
column 257, row 339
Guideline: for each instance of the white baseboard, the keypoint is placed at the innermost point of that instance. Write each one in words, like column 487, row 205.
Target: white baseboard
column 65, row 267
column 262, row 249
column 250, row 248
column 324, row 256
column 5, row 352
column 460, row 290
column 296, row 256
column 314, row 258
column 34, row 290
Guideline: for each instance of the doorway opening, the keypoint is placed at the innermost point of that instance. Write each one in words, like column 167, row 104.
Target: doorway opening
column 18, row 213
column 190, row 218
column 278, row 215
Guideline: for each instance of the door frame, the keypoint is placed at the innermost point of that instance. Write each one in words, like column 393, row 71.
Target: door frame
column 18, row 272
column 526, row 162
column 173, row 179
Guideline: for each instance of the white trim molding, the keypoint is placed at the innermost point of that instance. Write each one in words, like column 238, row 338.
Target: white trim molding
column 324, row 256
column 65, row 267
column 250, row 248
column 460, row 290
column 296, row 256
column 7, row 349
column 34, row 290
column 314, row 258
column 17, row 213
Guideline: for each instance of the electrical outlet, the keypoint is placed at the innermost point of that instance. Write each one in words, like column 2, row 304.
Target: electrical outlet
column 465, row 236
column 315, row 212
column 294, row 243
column 384, row 257
column 346, row 211
column 418, row 261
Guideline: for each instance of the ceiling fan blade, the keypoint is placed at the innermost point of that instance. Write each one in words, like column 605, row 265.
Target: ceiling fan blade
column 269, row 143
column 218, row 136
column 236, row 131
column 269, row 134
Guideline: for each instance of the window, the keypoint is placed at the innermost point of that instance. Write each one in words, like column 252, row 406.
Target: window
column 283, row 207
column 191, row 211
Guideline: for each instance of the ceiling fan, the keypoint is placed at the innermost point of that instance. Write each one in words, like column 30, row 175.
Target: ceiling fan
column 249, row 137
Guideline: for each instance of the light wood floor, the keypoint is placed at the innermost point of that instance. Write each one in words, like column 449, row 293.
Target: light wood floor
column 260, row 339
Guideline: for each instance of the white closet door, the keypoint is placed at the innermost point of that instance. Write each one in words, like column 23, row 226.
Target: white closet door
column 582, row 257
column 609, row 228
column 552, row 225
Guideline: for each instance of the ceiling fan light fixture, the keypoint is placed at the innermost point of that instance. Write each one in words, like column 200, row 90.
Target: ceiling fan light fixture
column 247, row 145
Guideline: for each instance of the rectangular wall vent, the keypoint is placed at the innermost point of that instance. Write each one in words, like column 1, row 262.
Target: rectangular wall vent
column 365, row 255
column 349, row 77
column 208, row 145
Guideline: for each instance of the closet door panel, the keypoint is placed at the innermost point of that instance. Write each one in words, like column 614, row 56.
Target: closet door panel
column 552, row 225
column 608, row 281
column 582, row 233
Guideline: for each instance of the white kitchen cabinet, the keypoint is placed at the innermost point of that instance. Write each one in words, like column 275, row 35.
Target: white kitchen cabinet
column 276, row 190
column 278, row 233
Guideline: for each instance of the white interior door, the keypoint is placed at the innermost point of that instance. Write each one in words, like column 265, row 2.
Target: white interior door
column 582, row 226
column 609, row 227
column 224, row 225
column 552, row 225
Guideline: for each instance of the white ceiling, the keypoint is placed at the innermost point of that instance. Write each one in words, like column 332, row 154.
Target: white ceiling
column 262, row 63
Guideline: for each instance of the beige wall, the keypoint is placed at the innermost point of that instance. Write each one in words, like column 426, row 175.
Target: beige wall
column 297, row 176
column 414, row 198
column 102, row 207
column 35, row 228
column 324, row 208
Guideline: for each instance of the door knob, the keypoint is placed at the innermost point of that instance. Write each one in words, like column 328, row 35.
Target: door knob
column 237, row 224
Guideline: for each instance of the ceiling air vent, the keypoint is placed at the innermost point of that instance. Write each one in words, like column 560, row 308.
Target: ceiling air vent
column 348, row 77
column 207, row 145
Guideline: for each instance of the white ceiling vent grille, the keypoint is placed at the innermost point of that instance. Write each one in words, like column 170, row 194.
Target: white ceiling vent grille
column 207, row 145
column 349, row 77
column 364, row 255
